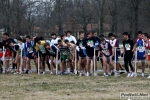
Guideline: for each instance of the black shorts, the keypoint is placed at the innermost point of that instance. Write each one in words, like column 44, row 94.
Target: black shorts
column 43, row 55
column 29, row 55
column 81, row 55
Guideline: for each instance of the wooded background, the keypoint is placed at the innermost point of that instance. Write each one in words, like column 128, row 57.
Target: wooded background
column 42, row 17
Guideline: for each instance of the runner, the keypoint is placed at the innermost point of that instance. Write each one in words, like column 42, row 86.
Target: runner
column 128, row 45
column 21, row 49
column 52, row 53
column 107, row 52
column 89, row 44
column 147, row 47
column 100, row 54
column 29, row 53
column 1, row 55
column 139, row 45
column 81, row 53
column 8, row 52
column 115, row 45
column 55, row 39
column 72, row 48
column 15, row 55
column 97, row 51
column 65, row 57
column 40, row 42
column 71, row 38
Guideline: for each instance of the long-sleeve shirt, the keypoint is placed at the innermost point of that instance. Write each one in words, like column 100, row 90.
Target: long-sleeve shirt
column 71, row 38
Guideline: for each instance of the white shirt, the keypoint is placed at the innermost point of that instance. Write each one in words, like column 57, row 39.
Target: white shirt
column 21, row 46
column 54, row 41
column 71, row 38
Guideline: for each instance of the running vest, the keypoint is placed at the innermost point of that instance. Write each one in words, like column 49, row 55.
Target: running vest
column 14, row 49
column 51, row 50
column 106, row 49
column 30, row 48
column 140, row 45
column 147, row 46
column 42, row 49
column 113, row 43
column 65, row 50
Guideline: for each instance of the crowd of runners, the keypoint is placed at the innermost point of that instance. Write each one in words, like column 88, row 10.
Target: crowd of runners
column 69, row 55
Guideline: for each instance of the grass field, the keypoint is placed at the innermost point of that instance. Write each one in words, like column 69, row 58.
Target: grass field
column 68, row 87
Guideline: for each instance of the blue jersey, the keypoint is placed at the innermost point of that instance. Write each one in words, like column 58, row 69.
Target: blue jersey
column 140, row 45
column 29, row 48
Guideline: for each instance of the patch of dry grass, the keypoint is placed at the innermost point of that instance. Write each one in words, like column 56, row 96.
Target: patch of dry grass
column 51, row 87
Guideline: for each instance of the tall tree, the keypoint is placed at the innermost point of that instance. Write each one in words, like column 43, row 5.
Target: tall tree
column 83, row 13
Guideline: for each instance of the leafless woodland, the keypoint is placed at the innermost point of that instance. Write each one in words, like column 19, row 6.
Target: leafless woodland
column 41, row 17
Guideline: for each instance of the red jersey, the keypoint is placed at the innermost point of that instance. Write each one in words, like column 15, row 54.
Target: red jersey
column 106, row 49
column 147, row 45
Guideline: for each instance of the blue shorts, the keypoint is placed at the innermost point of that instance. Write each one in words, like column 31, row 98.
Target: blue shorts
column 82, row 53
column 108, row 58
column 140, row 55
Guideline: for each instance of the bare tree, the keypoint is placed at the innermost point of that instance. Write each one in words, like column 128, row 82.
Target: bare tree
column 115, row 7
column 83, row 13
column 99, row 6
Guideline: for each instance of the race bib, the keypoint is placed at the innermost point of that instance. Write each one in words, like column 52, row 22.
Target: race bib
column 106, row 52
column 42, row 49
column 30, row 50
column 127, row 46
column 90, row 43
column 52, row 52
column 140, row 48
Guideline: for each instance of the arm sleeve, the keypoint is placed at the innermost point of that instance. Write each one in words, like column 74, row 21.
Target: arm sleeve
column 117, row 44
column 94, row 40
column 132, row 43
column 84, row 43
column 123, row 45
column 74, row 39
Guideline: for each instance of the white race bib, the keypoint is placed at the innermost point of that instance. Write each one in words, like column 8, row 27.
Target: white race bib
column 140, row 48
column 106, row 52
column 127, row 46
column 30, row 50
